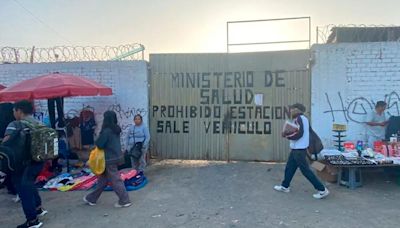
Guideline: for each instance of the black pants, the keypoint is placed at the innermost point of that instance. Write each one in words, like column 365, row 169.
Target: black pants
column 51, row 105
column 27, row 190
column 11, row 188
column 297, row 159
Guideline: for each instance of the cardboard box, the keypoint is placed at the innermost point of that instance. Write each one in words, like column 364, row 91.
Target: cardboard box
column 325, row 171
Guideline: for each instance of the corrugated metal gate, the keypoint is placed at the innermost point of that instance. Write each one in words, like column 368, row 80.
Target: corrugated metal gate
column 225, row 106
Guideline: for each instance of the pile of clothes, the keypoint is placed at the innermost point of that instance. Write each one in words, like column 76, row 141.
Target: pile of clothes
column 85, row 180
column 133, row 180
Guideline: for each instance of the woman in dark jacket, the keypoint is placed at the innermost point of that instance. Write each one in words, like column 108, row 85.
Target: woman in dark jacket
column 109, row 140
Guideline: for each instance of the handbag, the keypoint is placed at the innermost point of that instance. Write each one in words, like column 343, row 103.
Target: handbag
column 136, row 150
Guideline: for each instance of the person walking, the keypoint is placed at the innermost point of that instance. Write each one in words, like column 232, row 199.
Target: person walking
column 109, row 140
column 299, row 142
column 138, row 138
column 25, row 176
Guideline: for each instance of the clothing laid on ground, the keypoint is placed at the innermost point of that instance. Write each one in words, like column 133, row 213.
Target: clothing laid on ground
column 299, row 143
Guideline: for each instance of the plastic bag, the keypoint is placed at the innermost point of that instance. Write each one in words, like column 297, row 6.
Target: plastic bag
column 97, row 162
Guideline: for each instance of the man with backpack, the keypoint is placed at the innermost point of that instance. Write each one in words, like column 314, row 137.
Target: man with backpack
column 299, row 142
column 18, row 135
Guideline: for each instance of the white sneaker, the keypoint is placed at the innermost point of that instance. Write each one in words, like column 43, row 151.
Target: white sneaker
column 16, row 199
column 117, row 205
column 87, row 202
column 280, row 188
column 321, row 194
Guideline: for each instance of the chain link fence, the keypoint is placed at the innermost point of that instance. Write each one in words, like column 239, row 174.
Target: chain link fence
column 71, row 54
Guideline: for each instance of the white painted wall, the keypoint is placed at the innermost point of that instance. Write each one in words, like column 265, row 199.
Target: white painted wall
column 349, row 79
column 128, row 79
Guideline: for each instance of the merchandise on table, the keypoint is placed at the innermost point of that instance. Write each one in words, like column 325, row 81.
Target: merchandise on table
column 342, row 160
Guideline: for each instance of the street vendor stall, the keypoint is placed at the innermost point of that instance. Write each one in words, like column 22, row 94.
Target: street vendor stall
column 54, row 87
column 349, row 159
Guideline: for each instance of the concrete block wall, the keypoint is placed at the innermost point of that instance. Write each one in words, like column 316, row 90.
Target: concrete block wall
column 128, row 79
column 347, row 81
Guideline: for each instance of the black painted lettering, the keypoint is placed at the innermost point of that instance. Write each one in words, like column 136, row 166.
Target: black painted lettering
column 268, row 79
column 286, row 112
column 241, row 123
column 258, row 131
column 176, row 131
column 206, row 83
column 250, row 79
column 207, row 112
column 179, row 110
column 225, row 98
column 193, row 111
column 265, row 112
column 250, row 127
column 155, row 109
column 171, row 110
column 237, row 99
column 218, row 76
column 190, row 80
column 249, row 96
column 185, row 127
column 216, row 127
column 279, row 79
column 168, row 127
column 163, row 109
column 217, row 112
column 204, row 96
column 267, row 128
column 160, row 126
column 242, row 112
column 228, row 80
column 175, row 80
column 258, row 112
column 239, row 80
column 207, row 126
column 250, row 108
column 278, row 113
column 214, row 96
column 232, row 112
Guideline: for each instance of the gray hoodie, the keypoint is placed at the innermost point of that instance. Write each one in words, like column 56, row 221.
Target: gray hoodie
column 111, row 144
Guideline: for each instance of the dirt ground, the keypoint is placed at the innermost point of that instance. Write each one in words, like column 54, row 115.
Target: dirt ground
column 212, row 194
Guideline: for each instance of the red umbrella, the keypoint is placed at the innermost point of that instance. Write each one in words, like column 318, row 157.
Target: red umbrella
column 53, row 86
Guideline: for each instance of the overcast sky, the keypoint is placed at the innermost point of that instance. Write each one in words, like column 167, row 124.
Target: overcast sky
column 176, row 25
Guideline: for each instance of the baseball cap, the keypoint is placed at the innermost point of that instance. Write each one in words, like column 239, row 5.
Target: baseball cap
column 299, row 106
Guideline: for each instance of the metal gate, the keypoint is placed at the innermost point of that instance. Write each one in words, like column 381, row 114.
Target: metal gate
column 225, row 106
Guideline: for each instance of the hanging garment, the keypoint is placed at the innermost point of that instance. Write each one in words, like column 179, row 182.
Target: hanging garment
column 87, row 125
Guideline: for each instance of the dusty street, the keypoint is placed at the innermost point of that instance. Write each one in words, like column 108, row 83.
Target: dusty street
column 203, row 194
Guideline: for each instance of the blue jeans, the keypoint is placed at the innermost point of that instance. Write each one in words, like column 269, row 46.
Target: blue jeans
column 297, row 159
column 27, row 191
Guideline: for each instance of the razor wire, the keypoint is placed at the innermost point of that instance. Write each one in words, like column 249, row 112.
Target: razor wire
column 71, row 53
column 325, row 32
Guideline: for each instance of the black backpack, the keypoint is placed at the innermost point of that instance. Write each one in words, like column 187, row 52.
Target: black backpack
column 15, row 152
column 315, row 146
